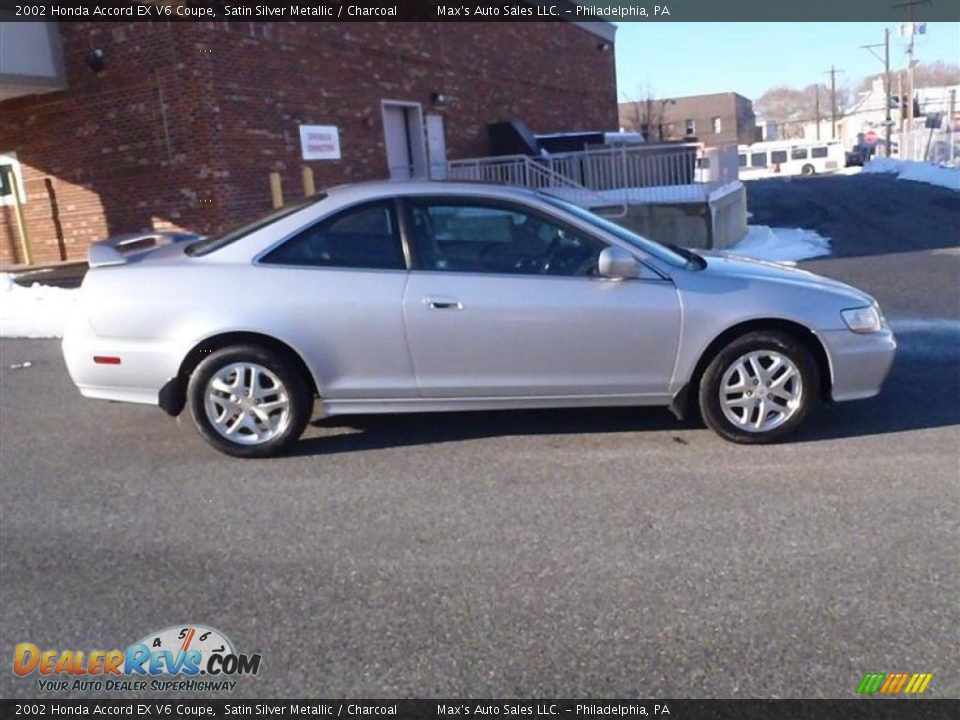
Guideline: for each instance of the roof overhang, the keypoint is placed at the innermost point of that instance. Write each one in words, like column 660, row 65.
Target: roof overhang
column 31, row 58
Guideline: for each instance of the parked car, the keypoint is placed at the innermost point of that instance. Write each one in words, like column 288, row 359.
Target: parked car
column 418, row 296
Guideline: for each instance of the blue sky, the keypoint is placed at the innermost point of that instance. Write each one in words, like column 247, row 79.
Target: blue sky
column 685, row 58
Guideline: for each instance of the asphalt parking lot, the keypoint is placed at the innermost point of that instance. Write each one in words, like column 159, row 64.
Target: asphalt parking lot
column 557, row 553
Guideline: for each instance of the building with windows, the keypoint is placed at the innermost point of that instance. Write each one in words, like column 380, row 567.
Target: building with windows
column 112, row 127
column 715, row 119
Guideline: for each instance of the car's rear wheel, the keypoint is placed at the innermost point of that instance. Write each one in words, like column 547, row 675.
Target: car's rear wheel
column 759, row 388
column 808, row 170
column 249, row 401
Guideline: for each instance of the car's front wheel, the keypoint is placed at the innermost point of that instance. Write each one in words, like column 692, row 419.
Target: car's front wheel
column 249, row 401
column 759, row 388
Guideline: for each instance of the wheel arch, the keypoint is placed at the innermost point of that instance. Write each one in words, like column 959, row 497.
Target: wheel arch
column 685, row 400
column 173, row 394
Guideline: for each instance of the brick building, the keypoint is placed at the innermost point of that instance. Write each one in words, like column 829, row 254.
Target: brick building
column 178, row 125
column 714, row 119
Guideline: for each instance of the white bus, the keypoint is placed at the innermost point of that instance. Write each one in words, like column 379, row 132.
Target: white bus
column 789, row 157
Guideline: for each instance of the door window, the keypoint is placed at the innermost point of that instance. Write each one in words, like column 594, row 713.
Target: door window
column 485, row 238
column 365, row 236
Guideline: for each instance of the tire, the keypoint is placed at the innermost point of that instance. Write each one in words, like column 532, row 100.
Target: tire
column 240, row 423
column 808, row 170
column 769, row 374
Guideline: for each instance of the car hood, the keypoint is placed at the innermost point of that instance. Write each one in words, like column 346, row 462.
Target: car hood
column 748, row 268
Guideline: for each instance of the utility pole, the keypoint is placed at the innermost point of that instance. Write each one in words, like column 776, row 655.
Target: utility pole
column 888, row 122
column 816, row 107
column 953, row 109
column 908, row 6
column 832, row 72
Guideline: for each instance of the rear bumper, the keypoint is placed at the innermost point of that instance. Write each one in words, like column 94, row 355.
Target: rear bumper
column 144, row 368
column 858, row 363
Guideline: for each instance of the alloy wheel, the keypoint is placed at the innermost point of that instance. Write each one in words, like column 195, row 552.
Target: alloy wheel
column 761, row 390
column 247, row 403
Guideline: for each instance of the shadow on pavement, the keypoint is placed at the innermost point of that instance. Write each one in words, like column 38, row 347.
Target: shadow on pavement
column 923, row 391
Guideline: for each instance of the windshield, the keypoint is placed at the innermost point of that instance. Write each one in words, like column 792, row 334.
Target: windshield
column 677, row 257
column 215, row 242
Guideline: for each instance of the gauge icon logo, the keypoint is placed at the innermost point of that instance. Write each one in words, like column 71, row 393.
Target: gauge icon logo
column 184, row 638
column 190, row 649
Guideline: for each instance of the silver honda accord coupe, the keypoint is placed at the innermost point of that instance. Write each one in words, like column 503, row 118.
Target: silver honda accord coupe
column 418, row 296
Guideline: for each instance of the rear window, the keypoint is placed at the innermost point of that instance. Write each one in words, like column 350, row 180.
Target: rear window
column 215, row 242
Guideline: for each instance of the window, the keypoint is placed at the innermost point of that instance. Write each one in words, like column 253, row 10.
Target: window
column 10, row 172
column 364, row 236
column 798, row 154
column 690, row 127
column 818, row 152
column 650, row 247
column 717, row 125
column 742, row 159
column 778, row 156
column 758, row 159
column 214, row 243
column 472, row 236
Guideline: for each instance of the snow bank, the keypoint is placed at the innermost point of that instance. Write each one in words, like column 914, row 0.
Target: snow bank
column 780, row 244
column 34, row 312
column 916, row 171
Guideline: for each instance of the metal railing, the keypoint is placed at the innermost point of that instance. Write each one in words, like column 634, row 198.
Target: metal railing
column 611, row 176
column 524, row 171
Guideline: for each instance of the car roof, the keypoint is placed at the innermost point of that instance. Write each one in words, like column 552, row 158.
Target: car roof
column 393, row 188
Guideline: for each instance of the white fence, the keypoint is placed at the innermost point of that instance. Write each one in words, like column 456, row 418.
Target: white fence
column 652, row 174
column 940, row 146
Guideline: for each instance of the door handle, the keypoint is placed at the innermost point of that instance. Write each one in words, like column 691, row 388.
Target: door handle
column 442, row 303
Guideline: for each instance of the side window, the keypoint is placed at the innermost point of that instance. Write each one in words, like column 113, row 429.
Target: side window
column 819, row 152
column 366, row 236
column 758, row 159
column 778, row 156
column 798, row 154
column 742, row 159
column 480, row 238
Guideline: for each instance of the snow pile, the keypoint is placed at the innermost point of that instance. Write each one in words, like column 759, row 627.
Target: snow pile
column 780, row 244
column 34, row 312
column 916, row 171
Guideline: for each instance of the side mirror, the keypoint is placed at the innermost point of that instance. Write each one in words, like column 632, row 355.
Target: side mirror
column 616, row 263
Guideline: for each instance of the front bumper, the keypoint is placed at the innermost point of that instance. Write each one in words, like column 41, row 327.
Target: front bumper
column 858, row 363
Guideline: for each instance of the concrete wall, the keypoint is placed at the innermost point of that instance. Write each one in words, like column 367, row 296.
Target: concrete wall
column 729, row 218
column 706, row 226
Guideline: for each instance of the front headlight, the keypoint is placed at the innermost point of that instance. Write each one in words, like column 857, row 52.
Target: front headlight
column 863, row 320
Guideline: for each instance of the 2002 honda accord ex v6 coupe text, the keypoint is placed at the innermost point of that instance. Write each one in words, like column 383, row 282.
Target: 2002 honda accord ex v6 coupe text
column 420, row 296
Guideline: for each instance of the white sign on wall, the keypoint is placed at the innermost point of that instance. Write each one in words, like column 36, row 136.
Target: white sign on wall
column 320, row 142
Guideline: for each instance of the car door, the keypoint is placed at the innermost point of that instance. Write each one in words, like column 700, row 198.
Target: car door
column 504, row 301
column 336, row 287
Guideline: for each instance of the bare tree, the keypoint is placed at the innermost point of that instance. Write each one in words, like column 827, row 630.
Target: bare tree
column 933, row 74
column 646, row 116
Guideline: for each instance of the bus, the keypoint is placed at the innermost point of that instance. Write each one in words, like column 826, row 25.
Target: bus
column 789, row 157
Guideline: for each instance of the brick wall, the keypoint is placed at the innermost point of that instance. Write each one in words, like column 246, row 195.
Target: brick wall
column 185, row 122
column 734, row 111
